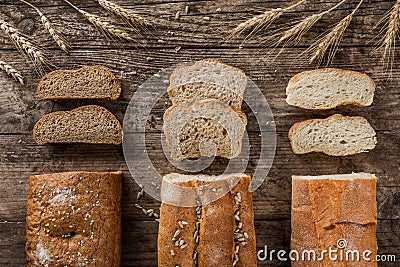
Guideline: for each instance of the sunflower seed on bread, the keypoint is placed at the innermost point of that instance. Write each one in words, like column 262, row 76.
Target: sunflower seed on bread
column 328, row 88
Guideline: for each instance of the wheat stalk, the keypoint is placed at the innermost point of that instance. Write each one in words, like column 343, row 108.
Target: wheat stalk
column 263, row 20
column 388, row 42
column 57, row 37
column 129, row 17
column 11, row 72
column 103, row 25
column 295, row 33
column 22, row 43
column 332, row 39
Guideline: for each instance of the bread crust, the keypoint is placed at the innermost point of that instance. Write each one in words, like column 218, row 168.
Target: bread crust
column 74, row 218
column 48, row 75
column 326, row 210
column 332, row 117
column 45, row 117
column 217, row 224
column 296, row 77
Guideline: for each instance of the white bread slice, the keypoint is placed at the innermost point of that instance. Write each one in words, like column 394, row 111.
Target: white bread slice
column 187, row 127
column 334, row 211
column 336, row 135
column 328, row 88
column 208, row 78
column 219, row 232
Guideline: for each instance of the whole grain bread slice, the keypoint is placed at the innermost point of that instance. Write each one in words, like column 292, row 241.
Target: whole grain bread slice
column 87, row 82
column 328, row 88
column 336, row 135
column 88, row 124
column 208, row 78
column 186, row 128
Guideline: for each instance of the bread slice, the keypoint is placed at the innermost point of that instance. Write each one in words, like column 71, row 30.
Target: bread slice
column 74, row 219
column 336, row 135
column 334, row 211
column 329, row 88
column 189, row 129
column 87, row 82
column 217, row 233
column 208, row 78
column 88, row 124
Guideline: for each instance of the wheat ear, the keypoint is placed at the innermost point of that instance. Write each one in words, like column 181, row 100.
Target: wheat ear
column 11, row 72
column 295, row 33
column 388, row 42
column 103, row 25
column 263, row 20
column 332, row 39
column 22, row 43
column 132, row 19
column 57, row 37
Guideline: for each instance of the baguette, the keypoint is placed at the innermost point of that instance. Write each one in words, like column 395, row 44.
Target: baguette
column 328, row 88
column 336, row 135
column 187, row 127
column 86, row 82
column 208, row 78
column 329, row 208
column 222, row 229
column 74, row 219
column 88, row 124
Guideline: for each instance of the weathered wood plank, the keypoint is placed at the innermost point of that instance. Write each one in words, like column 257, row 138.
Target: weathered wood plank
column 271, row 201
column 191, row 29
column 140, row 241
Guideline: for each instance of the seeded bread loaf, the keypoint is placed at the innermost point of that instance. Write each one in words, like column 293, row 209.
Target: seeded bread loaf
column 86, row 82
column 208, row 78
column 329, row 88
column 88, row 124
column 336, row 135
column 189, row 129
column 74, row 219
column 210, row 234
column 334, row 211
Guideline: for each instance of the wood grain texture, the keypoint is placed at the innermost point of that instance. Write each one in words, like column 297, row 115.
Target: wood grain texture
column 134, row 63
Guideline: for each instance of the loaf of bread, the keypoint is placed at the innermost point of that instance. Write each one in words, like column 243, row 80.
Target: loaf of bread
column 74, row 219
column 208, row 78
column 337, row 212
column 211, row 233
column 336, row 135
column 190, row 129
column 88, row 124
column 329, row 88
column 87, row 82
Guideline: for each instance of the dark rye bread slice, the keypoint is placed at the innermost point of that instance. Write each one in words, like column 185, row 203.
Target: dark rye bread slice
column 86, row 82
column 74, row 219
column 88, row 124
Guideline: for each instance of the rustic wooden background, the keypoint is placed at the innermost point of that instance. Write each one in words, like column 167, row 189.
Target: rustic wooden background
column 133, row 63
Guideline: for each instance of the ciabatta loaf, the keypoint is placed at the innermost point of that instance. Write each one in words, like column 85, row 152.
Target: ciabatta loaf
column 337, row 212
column 329, row 88
column 188, row 128
column 88, row 124
column 210, row 234
column 86, row 82
column 336, row 135
column 207, row 78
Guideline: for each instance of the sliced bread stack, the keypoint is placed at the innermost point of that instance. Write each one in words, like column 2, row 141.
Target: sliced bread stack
column 325, row 89
column 88, row 124
column 206, row 117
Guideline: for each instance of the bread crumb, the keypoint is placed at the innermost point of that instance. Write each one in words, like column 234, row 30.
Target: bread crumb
column 206, row 18
column 177, row 15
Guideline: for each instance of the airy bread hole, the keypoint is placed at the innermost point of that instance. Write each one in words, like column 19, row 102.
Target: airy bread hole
column 68, row 235
column 329, row 227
